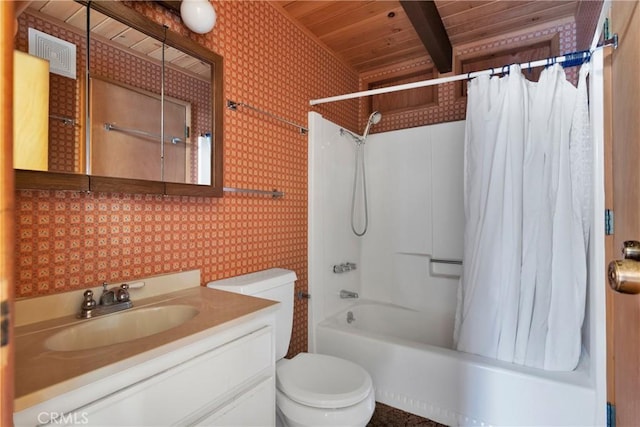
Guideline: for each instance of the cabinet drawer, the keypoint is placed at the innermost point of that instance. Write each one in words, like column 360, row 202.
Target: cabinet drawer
column 193, row 387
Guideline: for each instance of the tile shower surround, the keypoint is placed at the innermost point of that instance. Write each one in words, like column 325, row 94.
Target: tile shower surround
column 70, row 240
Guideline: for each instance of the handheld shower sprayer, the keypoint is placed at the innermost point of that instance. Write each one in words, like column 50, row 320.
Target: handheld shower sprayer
column 374, row 118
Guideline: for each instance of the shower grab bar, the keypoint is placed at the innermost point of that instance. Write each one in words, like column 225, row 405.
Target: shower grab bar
column 446, row 261
column 233, row 106
column 273, row 193
column 137, row 132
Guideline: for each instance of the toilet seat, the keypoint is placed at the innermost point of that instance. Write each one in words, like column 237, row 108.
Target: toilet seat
column 293, row 414
column 322, row 381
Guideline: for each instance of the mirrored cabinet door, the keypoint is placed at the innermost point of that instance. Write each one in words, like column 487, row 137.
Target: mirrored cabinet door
column 137, row 103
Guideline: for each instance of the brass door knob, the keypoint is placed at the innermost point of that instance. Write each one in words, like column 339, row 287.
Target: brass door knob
column 624, row 276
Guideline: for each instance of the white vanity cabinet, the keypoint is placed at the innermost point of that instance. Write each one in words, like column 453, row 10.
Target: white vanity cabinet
column 224, row 378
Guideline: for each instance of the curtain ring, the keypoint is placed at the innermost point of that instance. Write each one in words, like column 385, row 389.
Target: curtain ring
column 505, row 70
column 469, row 75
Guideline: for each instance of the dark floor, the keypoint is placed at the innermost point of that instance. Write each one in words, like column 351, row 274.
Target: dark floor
column 386, row 416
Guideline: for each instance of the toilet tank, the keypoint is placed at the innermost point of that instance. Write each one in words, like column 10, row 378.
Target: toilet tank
column 275, row 284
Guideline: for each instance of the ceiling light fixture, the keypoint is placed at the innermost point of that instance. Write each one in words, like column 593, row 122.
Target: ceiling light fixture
column 198, row 15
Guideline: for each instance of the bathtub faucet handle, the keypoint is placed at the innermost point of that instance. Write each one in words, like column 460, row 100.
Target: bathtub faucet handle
column 344, row 267
column 344, row 294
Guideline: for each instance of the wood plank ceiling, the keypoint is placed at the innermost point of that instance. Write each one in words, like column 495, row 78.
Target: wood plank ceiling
column 367, row 35
column 370, row 35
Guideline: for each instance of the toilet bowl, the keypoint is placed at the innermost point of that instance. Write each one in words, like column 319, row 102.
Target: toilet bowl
column 311, row 389
column 316, row 389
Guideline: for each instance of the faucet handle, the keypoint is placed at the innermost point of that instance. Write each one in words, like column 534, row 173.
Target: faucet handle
column 122, row 294
column 88, row 303
column 348, row 294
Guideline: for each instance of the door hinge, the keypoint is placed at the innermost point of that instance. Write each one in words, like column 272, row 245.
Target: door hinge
column 608, row 222
column 611, row 415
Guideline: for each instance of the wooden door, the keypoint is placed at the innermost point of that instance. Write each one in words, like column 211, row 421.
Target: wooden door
column 624, row 310
column 132, row 149
column 7, row 212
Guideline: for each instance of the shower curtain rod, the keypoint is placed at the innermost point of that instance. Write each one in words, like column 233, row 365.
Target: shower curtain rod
column 570, row 60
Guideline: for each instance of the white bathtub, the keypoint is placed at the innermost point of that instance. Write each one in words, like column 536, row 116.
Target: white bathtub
column 409, row 357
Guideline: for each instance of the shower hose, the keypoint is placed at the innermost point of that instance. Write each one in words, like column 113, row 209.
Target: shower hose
column 359, row 160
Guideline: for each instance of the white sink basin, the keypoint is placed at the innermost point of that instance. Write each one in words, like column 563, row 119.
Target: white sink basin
column 120, row 327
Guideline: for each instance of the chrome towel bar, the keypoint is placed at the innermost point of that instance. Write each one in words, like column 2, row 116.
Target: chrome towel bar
column 273, row 193
column 65, row 120
column 137, row 132
column 233, row 106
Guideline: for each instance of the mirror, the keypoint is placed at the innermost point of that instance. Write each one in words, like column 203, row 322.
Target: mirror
column 146, row 85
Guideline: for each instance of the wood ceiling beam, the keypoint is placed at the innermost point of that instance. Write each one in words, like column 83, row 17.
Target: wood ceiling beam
column 426, row 21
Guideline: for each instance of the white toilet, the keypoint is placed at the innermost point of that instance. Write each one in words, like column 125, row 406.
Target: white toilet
column 312, row 389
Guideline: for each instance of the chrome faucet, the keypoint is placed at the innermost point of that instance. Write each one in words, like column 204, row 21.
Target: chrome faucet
column 350, row 317
column 114, row 295
column 344, row 294
column 111, row 300
column 344, row 267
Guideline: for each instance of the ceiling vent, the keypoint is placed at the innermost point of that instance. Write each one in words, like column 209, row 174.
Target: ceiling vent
column 60, row 53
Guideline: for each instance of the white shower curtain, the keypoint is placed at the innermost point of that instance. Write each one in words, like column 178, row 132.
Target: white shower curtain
column 527, row 194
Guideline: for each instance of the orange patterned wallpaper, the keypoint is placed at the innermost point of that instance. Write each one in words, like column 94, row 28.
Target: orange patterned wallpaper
column 451, row 107
column 68, row 241
column 586, row 22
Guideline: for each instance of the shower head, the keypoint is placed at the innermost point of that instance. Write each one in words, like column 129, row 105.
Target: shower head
column 374, row 119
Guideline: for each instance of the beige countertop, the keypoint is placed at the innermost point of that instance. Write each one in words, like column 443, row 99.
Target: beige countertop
column 41, row 374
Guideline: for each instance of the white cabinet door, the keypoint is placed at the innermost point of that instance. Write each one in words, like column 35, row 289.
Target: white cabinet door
column 190, row 390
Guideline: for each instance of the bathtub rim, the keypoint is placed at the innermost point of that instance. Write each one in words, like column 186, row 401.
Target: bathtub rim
column 579, row 377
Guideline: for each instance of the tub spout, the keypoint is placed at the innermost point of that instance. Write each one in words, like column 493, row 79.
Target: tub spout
column 350, row 317
column 348, row 294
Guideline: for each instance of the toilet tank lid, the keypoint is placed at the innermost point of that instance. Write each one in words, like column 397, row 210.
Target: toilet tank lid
column 254, row 283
